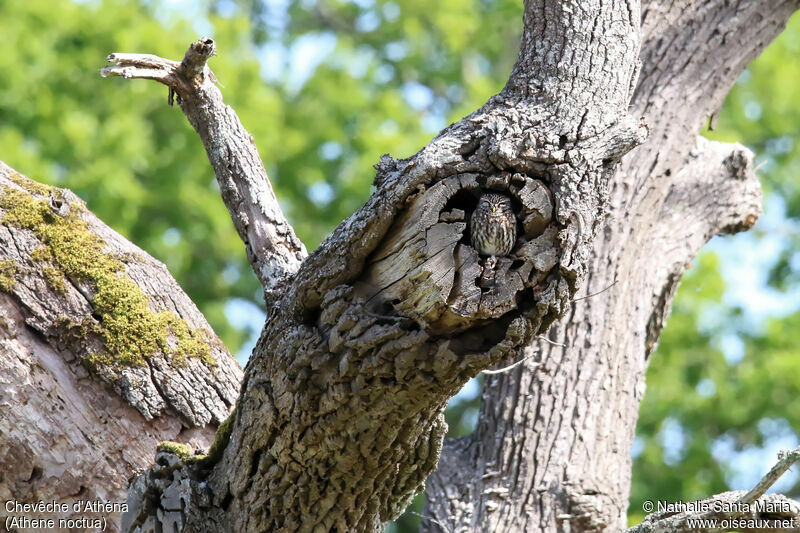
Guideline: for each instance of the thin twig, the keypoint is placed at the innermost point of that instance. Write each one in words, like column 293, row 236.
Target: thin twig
column 273, row 249
column 595, row 294
column 673, row 523
column 784, row 463
column 509, row 367
column 548, row 341
column 432, row 519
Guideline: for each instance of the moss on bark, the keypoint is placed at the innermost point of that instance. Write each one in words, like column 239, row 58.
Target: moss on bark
column 123, row 318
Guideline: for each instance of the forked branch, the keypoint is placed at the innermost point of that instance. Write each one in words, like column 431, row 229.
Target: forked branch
column 273, row 249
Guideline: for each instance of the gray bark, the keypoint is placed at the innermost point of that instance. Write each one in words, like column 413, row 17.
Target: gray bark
column 552, row 447
column 339, row 419
column 76, row 423
column 272, row 248
column 346, row 389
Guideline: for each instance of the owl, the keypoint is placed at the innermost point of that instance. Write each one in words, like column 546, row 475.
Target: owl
column 493, row 225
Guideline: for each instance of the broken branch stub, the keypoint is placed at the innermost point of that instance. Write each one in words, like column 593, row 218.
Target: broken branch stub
column 273, row 249
column 428, row 270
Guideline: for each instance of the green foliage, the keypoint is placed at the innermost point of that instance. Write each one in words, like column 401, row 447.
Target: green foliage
column 134, row 160
column 345, row 83
column 682, row 360
column 762, row 112
column 378, row 56
column 319, row 130
column 326, row 88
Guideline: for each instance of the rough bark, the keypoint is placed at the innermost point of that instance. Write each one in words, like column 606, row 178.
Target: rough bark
column 272, row 247
column 552, row 447
column 79, row 412
column 339, row 421
column 340, row 417
column 354, row 381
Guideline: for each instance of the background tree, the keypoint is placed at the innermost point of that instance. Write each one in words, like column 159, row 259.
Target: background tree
column 715, row 414
column 350, row 16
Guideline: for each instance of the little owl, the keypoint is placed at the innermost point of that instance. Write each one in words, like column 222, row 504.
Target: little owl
column 493, row 225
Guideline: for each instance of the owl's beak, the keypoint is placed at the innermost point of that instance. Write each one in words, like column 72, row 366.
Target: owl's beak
column 494, row 209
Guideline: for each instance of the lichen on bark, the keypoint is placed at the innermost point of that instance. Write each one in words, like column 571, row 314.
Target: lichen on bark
column 130, row 330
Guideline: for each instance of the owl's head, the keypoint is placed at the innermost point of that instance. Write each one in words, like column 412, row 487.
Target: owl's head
column 491, row 202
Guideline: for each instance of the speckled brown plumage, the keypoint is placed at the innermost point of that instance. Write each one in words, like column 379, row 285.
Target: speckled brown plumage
column 493, row 225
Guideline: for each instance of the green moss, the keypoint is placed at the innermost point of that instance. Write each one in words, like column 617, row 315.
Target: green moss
column 55, row 279
column 204, row 460
column 42, row 253
column 130, row 330
column 24, row 211
column 53, row 275
column 8, row 275
column 175, row 448
column 220, row 440
column 33, row 187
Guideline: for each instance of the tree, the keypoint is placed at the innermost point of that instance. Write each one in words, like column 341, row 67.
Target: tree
column 372, row 345
column 706, row 424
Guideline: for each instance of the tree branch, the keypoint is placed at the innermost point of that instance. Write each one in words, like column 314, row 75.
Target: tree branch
column 718, row 183
column 273, row 249
column 395, row 311
column 754, row 510
column 785, row 461
column 102, row 355
column 555, row 449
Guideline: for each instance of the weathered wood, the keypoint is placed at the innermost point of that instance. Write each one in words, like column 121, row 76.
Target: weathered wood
column 273, row 249
column 369, row 332
column 425, row 268
column 364, row 335
column 79, row 413
column 340, row 415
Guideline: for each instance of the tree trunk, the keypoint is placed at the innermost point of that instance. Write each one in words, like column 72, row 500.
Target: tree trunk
column 552, row 448
column 339, row 418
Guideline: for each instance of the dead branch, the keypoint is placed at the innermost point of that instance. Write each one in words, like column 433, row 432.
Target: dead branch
column 273, row 249
column 735, row 510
